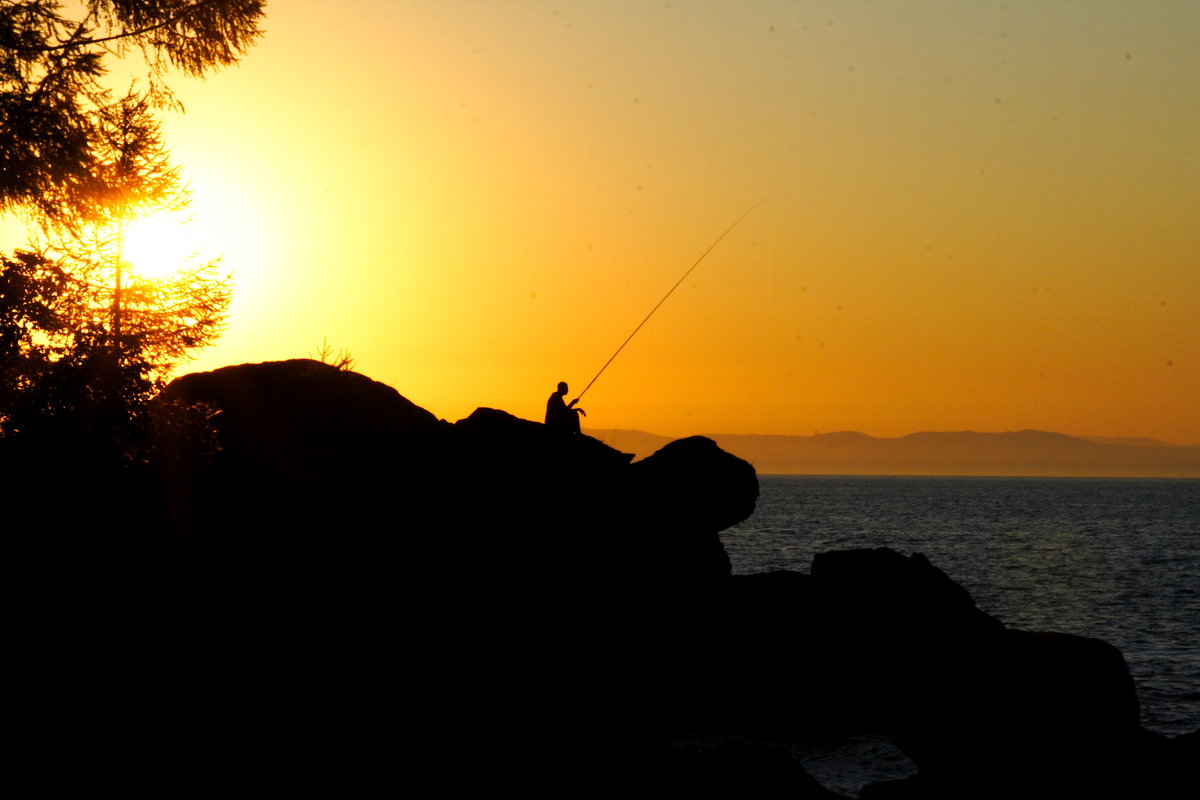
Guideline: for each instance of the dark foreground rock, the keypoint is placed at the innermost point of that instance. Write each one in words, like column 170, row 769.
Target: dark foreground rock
column 876, row 642
column 337, row 591
column 741, row 770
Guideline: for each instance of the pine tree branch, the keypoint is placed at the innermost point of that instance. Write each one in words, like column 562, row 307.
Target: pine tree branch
column 74, row 42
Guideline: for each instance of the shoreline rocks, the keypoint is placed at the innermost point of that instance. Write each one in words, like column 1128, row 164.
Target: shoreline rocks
column 338, row 575
column 536, row 545
column 872, row 641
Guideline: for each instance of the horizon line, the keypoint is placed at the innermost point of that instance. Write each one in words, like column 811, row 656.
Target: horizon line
column 1092, row 439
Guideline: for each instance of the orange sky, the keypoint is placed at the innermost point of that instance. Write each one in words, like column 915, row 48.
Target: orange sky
column 982, row 215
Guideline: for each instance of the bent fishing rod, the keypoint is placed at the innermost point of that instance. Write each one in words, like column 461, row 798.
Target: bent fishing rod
column 711, row 247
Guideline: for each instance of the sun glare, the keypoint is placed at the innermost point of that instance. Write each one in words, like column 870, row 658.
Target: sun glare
column 158, row 245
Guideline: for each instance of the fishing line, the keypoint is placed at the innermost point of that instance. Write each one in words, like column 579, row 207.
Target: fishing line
column 672, row 291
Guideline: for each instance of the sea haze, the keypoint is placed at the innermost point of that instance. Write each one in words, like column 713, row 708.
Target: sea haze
column 1115, row 559
column 1034, row 453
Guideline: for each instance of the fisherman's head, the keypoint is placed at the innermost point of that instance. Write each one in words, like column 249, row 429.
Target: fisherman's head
column 562, row 387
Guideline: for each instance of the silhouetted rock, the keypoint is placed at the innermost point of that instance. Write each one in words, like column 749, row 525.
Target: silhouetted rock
column 688, row 492
column 739, row 770
column 874, row 641
column 1029, row 714
column 341, row 557
column 275, row 402
column 894, row 597
column 746, row 659
column 310, row 458
column 344, row 539
column 983, row 711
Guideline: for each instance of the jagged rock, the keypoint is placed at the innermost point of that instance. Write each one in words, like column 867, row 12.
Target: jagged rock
column 551, row 484
column 741, row 770
column 342, row 536
column 1032, row 714
column 311, row 458
column 495, row 433
column 962, row 696
column 886, row 599
column 745, row 660
column 877, row 641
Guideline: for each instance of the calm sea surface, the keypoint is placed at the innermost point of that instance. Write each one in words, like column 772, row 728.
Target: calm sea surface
column 1114, row 559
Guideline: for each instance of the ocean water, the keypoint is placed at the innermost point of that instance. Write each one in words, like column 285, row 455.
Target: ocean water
column 1114, row 559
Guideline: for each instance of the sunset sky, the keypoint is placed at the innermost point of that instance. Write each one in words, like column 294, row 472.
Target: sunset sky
column 981, row 215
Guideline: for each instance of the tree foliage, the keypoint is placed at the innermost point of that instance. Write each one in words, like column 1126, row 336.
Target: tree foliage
column 66, row 395
column 164, row 318
column 59, row 377
column 84, row 342
column 53, row 58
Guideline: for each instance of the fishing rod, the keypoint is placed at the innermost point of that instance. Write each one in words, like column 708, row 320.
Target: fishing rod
column 668, row 294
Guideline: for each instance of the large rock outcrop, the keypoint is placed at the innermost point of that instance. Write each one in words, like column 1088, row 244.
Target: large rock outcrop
column 311, row 459
column 337, row 576
column 687, row 493
column 875, row 641
column 487, row 585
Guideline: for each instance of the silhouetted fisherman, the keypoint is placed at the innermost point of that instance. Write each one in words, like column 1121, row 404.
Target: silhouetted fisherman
column 562, row 416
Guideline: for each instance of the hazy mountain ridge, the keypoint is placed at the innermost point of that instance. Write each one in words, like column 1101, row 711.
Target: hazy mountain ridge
column 1026, row 452
column 1130, row 441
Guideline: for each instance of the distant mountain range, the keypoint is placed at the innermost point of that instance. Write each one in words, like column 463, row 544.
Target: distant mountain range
column 956, row 453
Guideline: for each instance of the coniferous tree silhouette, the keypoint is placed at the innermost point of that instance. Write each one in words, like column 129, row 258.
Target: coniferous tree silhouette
column 83, row 343
column 162, row 318
column 88, row 341
column 52, row 96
